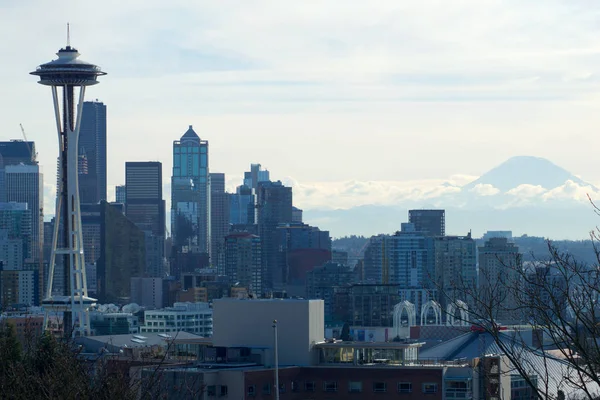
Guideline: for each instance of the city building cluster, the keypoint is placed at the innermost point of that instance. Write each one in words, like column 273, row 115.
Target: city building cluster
column 237, row 293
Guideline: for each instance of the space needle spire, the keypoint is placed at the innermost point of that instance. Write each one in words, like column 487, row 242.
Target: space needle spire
column 68, row 77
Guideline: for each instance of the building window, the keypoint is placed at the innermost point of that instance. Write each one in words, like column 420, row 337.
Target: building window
column 309, row 386
column 379, row 387
column 223, row 391
column 295, row 387
column 430, row 388
column 211, row 391
column 355, row 387
column 404, row 387
column 330, row 386
column 266, row 388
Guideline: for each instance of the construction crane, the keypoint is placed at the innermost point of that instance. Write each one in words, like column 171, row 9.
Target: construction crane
column 31, row 153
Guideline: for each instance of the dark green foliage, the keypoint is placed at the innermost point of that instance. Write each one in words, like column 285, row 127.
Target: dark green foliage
column 52, row 369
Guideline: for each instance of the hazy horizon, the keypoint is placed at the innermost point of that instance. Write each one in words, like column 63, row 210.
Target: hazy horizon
column 323, row 94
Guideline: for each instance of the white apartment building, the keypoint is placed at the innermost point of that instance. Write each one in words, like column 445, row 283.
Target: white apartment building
column 194, row 318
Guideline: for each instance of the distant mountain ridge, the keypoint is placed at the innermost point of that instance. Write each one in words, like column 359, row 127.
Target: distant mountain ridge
column 522, row 170
column 528, row 195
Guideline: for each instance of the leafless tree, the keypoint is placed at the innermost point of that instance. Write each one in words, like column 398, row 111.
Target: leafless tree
column 553, row 307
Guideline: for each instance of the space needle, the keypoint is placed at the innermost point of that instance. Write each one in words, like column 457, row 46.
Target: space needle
column 68, row 76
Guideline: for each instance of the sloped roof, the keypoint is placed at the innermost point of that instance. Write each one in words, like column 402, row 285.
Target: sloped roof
column 468, row 345
column 190, row 134
column 478, row 344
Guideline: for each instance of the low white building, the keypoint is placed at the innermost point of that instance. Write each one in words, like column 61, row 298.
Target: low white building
column 194, row 318
column 249, row 323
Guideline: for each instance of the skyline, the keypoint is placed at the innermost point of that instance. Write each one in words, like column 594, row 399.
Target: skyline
column 435, row 98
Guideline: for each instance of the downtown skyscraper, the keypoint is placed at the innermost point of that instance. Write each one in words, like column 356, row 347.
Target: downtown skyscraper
column 92, row 152
column 145, row 207
column 274, row 207
column 190, row 194
column 25, row 184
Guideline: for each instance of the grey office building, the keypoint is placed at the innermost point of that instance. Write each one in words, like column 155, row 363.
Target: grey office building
column 145, row 207
column 92, row 147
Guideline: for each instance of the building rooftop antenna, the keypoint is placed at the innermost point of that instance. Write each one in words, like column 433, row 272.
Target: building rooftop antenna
column 68, row 35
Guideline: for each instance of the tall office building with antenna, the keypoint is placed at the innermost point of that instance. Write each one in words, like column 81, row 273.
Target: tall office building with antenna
column 68, row 76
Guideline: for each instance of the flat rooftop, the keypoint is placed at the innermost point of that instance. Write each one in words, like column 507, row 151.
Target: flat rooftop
column 369, row 345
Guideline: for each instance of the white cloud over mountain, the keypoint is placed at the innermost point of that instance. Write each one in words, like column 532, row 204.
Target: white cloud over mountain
column 484, row 189
column 348, row 194
column 526, row 191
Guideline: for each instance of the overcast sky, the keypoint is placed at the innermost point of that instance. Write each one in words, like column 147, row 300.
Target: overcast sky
column 320, row 91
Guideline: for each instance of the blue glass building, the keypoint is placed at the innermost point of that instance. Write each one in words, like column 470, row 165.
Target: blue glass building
column 190, row 225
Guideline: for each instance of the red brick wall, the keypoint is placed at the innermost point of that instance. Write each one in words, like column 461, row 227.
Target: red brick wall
column 343, row 375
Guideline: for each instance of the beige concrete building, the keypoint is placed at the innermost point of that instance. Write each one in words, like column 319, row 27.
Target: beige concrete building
column 300, row 325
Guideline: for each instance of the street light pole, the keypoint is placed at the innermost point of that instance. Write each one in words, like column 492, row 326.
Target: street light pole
column 276, row 362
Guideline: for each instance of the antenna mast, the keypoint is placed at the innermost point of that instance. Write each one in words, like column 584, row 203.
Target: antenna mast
column 68, row 35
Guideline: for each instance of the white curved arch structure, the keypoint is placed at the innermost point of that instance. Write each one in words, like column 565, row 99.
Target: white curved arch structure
column 463, row 309
column 437, row 312
column 411, row 314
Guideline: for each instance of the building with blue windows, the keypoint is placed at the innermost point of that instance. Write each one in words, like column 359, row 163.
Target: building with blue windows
column 241, row 206
column 190, row 227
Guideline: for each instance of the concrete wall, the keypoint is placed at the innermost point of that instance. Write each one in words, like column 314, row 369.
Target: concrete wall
column 249, row 323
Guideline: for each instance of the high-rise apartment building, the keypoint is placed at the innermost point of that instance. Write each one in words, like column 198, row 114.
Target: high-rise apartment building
column 499, row 266
column 219, row 219
column 24, row 184
column 92, row 145
column 120, row 194
column 145, row 207
column 455, row 267
column 404, row 259
column 274, row 207
column 190, row 194
column 430, row 222
column 243, row 266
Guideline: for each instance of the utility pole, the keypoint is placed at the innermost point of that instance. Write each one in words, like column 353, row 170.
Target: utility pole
column 276, row 362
